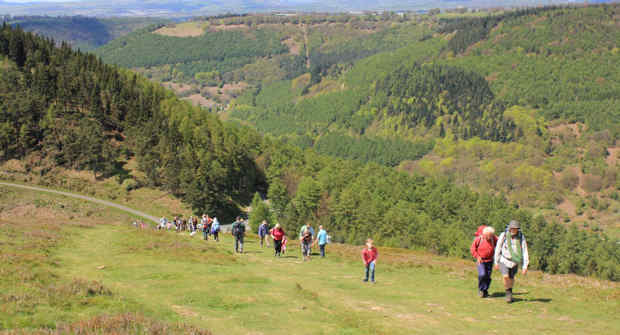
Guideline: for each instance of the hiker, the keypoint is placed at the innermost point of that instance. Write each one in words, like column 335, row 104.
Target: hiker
column 162, row 223
column 278, row 235
column 510, row 252
column 369, row 256
column 238, row 232
column 321, row 239
column 205, row 221
column 306, row 241
column 284, row 242
column 195, row 223
column 263, row 230
column 483, row 250
column 302, row 231
column 206, row 229
column 215, row 229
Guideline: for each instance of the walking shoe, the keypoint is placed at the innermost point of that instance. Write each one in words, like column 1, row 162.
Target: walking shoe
column 485, row 294
column 508, row 297
column 481, row 294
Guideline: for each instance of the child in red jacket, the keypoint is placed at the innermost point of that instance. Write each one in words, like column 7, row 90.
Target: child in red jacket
column 369, row 256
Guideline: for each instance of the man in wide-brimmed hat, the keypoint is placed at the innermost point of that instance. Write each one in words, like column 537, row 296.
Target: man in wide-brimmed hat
column 510, row 252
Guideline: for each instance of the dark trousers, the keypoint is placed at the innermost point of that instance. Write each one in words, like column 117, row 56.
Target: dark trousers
column 484, row 275
column 322, row 247
column 216, row 235
column 239, row 243
column 277, row 244
column 205, row 234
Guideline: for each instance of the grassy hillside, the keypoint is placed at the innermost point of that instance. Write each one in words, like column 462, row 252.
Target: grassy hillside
column 77, row 266
column 84, row 33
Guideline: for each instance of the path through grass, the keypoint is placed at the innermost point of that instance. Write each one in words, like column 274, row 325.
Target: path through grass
column 205, row 284
column 66, row 261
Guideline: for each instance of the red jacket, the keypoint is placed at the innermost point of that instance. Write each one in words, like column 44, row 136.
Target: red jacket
column 277, row 234
column 369, row 255
column 483, row 248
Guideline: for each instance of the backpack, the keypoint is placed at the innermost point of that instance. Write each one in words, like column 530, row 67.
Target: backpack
column 241, row 228
column 507, row 236
column 307, row 237
column 238, row 228
column 479, row 231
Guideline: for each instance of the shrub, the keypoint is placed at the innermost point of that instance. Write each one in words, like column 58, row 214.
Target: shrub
column 129, row 184
column 569, row 179
column 592, row 183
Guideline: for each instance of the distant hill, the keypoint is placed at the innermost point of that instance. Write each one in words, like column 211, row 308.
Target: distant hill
column 194, row 7
column 85, row 33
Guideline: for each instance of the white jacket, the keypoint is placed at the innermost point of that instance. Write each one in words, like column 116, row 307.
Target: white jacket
column 502, row 254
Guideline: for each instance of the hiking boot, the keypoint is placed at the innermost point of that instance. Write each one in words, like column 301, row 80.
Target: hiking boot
column 508, row 297
column 485, row 294
column 481, row 294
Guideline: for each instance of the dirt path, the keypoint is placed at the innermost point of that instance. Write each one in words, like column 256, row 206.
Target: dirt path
column 224, row 227
column 83, row 197
column 305, row 30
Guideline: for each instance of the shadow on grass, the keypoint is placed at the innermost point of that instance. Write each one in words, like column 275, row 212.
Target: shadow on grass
column 545, row 300
column 289, row 256
column 503, row 294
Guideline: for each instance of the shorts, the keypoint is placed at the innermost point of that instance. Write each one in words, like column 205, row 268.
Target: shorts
column 305, row 248
column 506, row 271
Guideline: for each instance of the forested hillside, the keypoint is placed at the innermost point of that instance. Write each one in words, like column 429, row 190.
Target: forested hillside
column 84, row 33
column 212, row 60
column 520, row 103
column 64, row 108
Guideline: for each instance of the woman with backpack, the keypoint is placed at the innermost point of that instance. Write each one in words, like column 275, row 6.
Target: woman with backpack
column 510, row 252
column 483, row 250
column 215, row 229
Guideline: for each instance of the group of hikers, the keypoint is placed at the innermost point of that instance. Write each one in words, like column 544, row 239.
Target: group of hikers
column 208, row 225
column 307, row 238
column 504, row 253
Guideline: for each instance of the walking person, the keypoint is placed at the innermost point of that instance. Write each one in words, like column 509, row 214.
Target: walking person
column 306, row 241
column 278, row 236
column 263, row 231
column 206, row 228
column 305, row 228
column 238, row 232
column 369, row 257
column 483, row 250
column 510, row 252
column 321, row 239
column 162, row 223
column 215, row 229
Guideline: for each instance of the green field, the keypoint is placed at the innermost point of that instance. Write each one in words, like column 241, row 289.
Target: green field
column 67, row 262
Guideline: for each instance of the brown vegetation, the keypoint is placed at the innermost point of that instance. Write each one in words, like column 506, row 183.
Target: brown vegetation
column 189, row 29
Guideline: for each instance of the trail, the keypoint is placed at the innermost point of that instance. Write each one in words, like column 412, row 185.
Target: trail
column 225, row 228
column 306, row 46
column 83, row 197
